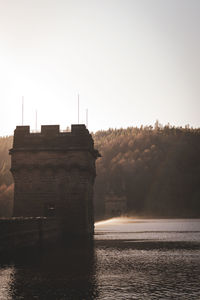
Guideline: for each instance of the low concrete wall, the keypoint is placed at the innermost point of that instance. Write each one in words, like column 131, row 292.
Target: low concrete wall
column 17, row 233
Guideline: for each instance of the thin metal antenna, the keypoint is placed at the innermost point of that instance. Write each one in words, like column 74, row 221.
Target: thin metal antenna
column 86, row 118
column 36, row 120
column 22, row 110
column 78, row 108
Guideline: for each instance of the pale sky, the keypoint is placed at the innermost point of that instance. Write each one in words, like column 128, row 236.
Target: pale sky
column 131, row 61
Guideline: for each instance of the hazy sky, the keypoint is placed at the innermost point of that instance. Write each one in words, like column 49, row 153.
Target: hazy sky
column 131, row 61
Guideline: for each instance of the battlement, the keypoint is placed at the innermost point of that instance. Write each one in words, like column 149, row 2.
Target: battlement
column 52, row 130
column 51, row 138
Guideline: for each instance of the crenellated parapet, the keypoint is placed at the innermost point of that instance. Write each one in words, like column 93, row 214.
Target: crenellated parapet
column 51, row 138
column 54, row 174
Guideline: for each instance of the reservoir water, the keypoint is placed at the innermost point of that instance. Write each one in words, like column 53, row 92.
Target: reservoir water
column 129, row 259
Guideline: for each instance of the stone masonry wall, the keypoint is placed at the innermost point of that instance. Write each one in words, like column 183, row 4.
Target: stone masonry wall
column 54, row 174
column 17, row 233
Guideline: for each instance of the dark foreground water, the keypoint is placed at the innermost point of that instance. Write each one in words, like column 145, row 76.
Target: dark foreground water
column 130, row 259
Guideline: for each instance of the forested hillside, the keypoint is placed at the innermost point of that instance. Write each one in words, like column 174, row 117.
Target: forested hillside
column 156, row 168
column 6, row 181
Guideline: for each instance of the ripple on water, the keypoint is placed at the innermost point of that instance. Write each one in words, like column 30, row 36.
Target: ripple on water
column 144, row 259
column 154, row 274
column 148, row 259
column 6, row 280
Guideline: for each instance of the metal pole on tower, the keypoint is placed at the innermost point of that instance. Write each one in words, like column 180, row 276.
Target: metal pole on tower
column 36, row 120
column 22, row 110
column 87, row 118
column 78, row 108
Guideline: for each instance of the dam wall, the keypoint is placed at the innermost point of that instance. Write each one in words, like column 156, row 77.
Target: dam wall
column 19, row 233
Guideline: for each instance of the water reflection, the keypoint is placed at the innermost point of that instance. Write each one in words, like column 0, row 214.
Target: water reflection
column 59, row 273
column 6, row 280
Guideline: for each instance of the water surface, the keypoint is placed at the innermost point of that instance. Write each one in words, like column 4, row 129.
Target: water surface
column 130, row 259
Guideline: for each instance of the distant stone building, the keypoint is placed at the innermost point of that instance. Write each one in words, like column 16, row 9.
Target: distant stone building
column 115, row 206
column 54, row 173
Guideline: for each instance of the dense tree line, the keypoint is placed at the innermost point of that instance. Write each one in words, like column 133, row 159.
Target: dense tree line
column 6, row 180
column 156, row 168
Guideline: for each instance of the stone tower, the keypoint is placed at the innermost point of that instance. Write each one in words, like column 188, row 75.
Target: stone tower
column 54, row 174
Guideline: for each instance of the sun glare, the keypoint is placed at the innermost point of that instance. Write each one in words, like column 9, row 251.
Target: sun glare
column 112, row 221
